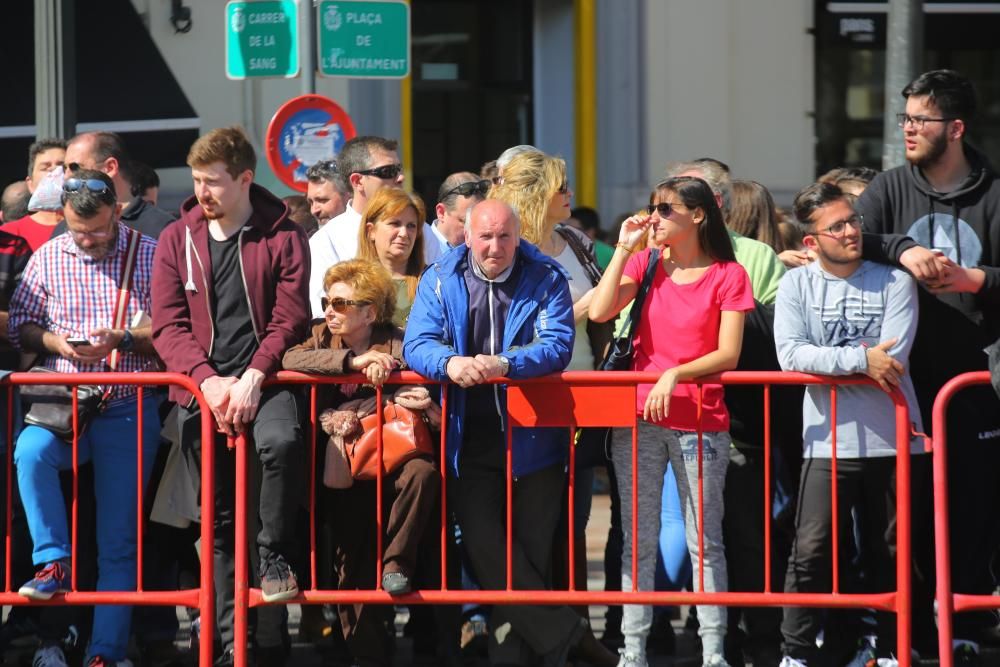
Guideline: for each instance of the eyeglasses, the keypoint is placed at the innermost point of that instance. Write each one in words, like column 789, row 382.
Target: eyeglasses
column 839, row 228
column 341, row 305
column 385, row 172
column 100, row 234
column 663, row 208
column 95, row 185
column 563, row 189
column 470, row 188
column 918, row 121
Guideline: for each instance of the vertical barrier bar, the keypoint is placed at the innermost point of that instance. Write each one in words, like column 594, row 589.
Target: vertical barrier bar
column 312, row 486
column 241, row 599
column 569, row 513
column 904, row 547
column 378, row 487
column 701, row 494
column 510, row 505
column 635, row 505
column 444, row 487
column 206, row 602
column 767, row 488
column 834, row 520
column 76, row 488
column 8, row 540
column 138, row 492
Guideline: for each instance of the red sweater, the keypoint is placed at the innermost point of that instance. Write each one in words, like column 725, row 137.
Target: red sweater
column 275, row 257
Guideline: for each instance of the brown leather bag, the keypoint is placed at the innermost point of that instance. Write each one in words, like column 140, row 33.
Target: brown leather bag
column 404, row 436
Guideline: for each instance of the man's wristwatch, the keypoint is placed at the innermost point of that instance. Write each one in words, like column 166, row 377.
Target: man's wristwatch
column 504, row 365
column 127, row 341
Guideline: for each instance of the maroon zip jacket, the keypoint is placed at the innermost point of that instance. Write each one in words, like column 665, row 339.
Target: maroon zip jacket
column 274, row 255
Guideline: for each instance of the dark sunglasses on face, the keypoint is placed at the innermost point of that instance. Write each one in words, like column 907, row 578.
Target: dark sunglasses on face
column 94, row 185
column 385, row 172
column 340, row 305
column 563, row 189
column 470, row 188
column 663, row 208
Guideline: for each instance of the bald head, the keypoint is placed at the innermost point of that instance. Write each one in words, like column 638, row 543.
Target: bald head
column 492, row 232
column 14, row 203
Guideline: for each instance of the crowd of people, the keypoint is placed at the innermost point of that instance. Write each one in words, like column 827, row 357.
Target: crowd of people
column 891, row 275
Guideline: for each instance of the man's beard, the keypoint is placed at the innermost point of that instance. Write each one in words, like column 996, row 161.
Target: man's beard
column 99, row 252
column 935, row 150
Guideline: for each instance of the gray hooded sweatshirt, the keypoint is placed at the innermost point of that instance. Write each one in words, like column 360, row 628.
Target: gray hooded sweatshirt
column 824, row 324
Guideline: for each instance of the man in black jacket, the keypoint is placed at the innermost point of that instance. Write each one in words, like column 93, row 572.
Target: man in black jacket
column 937, row 216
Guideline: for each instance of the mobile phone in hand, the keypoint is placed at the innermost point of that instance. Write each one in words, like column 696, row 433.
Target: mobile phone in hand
column 77, row 342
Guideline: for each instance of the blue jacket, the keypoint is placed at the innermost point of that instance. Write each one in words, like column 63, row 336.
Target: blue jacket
column 537, row 340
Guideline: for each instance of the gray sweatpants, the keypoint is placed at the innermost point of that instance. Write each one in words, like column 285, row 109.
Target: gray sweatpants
column 657, row 445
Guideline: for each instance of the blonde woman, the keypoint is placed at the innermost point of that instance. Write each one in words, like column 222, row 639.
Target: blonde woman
column 391, row 234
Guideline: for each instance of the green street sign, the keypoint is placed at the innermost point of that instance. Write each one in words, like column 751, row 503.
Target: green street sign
column 364, row 39
column 262, row 39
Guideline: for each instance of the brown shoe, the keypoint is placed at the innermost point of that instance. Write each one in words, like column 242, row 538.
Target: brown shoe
column 277, row 581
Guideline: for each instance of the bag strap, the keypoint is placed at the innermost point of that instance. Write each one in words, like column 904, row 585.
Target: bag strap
column 635, row 314
column 124, row 293
column 585, row 258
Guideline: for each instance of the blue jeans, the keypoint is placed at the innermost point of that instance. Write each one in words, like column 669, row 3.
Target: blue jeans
column 110, row 442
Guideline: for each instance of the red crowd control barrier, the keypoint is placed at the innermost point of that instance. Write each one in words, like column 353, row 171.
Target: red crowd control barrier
column 949, row 603
column 202, row 597
column 583, row 399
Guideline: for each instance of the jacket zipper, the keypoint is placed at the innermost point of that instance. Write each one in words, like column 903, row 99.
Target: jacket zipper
column 246, row 290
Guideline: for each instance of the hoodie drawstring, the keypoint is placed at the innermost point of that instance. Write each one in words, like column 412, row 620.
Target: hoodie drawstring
column 189, row 286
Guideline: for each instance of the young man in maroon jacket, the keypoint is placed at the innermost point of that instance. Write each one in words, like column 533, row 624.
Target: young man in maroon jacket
column 230, row 295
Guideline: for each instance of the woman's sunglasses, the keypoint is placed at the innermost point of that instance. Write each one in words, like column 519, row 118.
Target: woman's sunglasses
column 341, row 305
column 663, row 208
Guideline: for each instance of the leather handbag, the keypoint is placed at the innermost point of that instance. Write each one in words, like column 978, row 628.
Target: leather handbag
column 51, row 406
column 592, row 442
column 404, row 436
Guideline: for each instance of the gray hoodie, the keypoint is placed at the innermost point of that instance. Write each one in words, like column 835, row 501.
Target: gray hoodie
column 824, row 324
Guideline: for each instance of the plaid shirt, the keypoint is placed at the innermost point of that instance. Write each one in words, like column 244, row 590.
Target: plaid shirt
column 65, row 291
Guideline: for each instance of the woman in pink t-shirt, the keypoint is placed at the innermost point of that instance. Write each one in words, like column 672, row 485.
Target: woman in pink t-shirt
column 691, row 325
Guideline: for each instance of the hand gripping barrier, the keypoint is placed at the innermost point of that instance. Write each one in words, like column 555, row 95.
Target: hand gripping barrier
column 949, row 603
column 201, row 597
column 585, row 399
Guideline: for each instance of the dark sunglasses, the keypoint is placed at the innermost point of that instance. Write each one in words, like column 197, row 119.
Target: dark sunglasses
column 470, row 188
column 563, row 189
column 95, row 185
column 385, row 172
column 341, row 305
column 663, row 208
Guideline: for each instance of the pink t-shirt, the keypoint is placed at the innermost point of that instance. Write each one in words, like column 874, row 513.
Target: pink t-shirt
column 681, row 323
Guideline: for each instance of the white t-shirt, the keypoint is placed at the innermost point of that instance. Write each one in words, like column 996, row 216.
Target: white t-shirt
column 579, row 284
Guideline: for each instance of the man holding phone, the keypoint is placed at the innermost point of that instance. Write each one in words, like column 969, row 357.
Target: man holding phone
column 76, row 333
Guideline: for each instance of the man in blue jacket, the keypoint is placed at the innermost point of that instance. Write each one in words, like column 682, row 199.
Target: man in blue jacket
column 497, row 307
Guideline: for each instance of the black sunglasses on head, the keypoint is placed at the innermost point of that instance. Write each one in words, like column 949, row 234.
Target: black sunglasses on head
column 470, row 188
column 95, row 185
column 385, row 172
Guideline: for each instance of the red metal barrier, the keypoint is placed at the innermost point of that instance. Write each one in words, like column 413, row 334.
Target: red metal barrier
column 203, row 597
column 949, row 603
column 582, row 399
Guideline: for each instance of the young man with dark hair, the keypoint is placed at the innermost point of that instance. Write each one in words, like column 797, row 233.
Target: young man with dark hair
column 936, row 216
column 230, row 297
column 841, row 315
column 36, row 228
column 68, row 292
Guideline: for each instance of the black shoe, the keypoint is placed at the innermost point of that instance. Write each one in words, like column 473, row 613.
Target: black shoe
column 20, row 630
column 161, row 653
column 966, row 655
column 277, row 581
column 271, row 656
column 227, row 659
column 587, row 649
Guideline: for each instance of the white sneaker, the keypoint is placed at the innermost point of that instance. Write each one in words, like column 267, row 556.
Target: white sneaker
column 631, row 659
column 714, row 660
column 887, row 662
column 49, row 656
column 789, row 661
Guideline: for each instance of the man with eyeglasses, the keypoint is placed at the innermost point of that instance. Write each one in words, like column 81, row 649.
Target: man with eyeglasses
column 325, row 191
column 936, row 216
column 842, row 315
column 67, row 293
column 457, row 193
column 105, row 151
column 366, row 164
